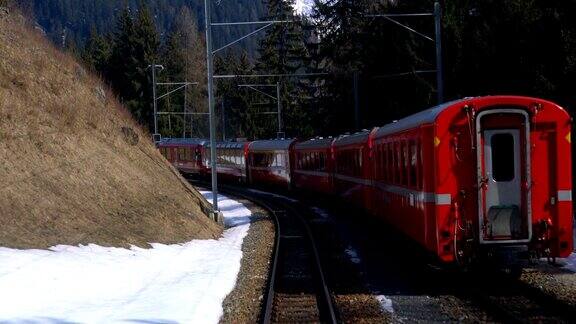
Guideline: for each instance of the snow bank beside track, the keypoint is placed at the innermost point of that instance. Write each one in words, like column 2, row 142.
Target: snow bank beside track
column 571, row 262
column 183, row 283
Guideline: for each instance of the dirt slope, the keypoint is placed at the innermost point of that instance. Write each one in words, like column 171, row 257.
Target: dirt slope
column 74, row 167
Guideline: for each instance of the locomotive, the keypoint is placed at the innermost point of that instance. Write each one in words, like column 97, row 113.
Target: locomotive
column 485, row 176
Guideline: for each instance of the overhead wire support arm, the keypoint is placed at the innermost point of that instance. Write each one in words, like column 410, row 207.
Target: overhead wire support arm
column 424, row 14
column 253, row 87
column 171, row 92
column 390, row 17
column 176, row 83
column 394, row 75
column 286, row 75
column 265, row 23
column 182, row 113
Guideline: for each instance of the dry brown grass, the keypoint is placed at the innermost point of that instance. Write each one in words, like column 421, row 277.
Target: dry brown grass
column 74, row 167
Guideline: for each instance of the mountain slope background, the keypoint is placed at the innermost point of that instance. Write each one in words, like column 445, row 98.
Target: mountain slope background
column 75, row 167
column 70, row 22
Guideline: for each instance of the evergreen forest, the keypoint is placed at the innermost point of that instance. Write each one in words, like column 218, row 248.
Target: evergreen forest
column 340, row 57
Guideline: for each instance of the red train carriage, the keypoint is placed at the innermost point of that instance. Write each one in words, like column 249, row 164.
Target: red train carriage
column 231, row 160
column 352, row 170
column 313, row 166
column 186, row 154
column 489, row 174
column 270, row 163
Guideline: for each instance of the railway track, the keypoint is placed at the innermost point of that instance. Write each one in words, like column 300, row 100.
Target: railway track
column 297, row 290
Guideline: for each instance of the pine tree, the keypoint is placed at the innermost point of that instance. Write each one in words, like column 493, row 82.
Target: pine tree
column 184, row 57
column 97, row 52
column 283, row 51
column 146, row 46
column 136, row 45
column 122, row 61
column 241, row 114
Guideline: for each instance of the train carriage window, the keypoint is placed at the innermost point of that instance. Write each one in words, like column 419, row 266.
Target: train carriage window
column 382, row 162
column 419, row 169
column 360, row 162
column 401, row 163
column 386, row 163
column 397, row 173
column 258, row 159
column 406, row 160
column 312, row 165
column 391, row 176
column 181, row 154
column 413, row 164
column 299, row 161
column 502, row 157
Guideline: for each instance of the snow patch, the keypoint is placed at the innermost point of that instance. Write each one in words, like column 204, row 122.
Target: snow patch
column 321, row 212
column 571, row 262
column 385, row 303
column 183, row 283
column 352, row 255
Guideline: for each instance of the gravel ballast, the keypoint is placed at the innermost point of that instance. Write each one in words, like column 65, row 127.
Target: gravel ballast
column 244, row 304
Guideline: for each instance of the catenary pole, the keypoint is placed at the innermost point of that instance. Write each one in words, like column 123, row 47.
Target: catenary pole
column 154, row 98
column 438, row 41
column 224, row 119
column 279, row 101
column 356, row 101
column 210, row 72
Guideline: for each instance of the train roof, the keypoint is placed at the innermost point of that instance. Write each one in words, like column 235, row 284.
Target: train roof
column 182, row 141
column 315, row 143
column 271, row 145
column 356, row 138
column 423, row 117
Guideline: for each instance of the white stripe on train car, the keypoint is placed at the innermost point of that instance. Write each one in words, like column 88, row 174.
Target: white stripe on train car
column 564, row 195
column 420, row 196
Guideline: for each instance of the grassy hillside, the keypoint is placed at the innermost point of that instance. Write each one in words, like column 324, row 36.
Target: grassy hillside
column 74, row 167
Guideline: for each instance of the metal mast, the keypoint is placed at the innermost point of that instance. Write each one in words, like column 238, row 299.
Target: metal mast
column 210, row 72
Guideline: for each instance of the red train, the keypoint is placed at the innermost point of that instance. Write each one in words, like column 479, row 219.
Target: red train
column 473, row 177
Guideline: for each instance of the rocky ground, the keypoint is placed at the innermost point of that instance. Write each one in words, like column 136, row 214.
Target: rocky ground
column 553, row 280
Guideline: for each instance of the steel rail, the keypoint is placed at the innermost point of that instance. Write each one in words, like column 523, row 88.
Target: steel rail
column 326, row 298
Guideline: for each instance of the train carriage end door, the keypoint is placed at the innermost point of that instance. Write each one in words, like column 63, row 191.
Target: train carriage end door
column 504, row 208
